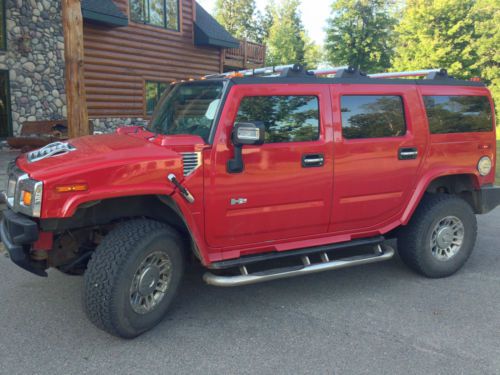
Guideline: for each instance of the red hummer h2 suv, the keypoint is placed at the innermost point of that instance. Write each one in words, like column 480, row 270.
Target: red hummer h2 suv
column 258, row 177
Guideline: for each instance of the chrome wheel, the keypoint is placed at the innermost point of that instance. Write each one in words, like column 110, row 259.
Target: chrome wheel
column 447, row 238
column 150, row 283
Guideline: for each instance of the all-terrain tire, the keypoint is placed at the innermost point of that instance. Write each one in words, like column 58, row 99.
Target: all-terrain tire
column 111, row 271
column 415, row 240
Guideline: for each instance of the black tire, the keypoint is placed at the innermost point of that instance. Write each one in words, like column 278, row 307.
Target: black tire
column 112, row 268
column 414, row 240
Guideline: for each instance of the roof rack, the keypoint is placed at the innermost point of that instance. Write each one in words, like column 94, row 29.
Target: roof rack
column 281, row 70
column 252, row 72
column 294, row 70
column 429, row 73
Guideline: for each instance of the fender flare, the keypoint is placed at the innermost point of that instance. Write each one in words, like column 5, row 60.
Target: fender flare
column 426, row 180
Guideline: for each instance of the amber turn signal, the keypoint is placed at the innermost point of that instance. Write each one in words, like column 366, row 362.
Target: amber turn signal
column 70, row 188
column 26, row 198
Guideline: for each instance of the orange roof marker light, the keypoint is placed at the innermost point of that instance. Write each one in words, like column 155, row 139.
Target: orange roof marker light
column 71, row 188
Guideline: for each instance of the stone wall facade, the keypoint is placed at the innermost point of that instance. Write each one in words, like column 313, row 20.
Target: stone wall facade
column 109, row 125
column 35, row 61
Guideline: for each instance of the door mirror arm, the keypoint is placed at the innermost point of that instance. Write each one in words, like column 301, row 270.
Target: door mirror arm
column 244, row 133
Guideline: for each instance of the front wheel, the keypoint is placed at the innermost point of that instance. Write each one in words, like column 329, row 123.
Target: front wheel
column 132, row 277
column 440, row 236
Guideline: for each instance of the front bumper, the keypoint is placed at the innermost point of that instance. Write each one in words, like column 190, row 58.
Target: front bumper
column 487, row 198
column 18, row 233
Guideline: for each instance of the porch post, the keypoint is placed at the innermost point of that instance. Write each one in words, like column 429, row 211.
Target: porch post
column 78, row 121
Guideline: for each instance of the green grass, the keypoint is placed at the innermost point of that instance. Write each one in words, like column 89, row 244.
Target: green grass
column 497, row 174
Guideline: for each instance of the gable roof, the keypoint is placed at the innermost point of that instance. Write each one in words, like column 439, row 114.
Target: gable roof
column 103, row 11
column 208, row 32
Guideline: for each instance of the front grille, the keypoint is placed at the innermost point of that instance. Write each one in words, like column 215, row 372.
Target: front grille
column 191, row 161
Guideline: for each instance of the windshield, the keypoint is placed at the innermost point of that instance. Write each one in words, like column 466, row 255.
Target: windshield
column 188, row 108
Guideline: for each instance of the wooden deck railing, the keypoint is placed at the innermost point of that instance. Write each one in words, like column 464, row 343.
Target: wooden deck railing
column 249, row 55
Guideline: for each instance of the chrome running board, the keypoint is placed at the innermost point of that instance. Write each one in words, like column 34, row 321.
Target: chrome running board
column 382, row 253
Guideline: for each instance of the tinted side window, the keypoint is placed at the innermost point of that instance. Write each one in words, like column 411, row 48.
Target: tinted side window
column 286, row 118
column 458, row 114
column 370, row 116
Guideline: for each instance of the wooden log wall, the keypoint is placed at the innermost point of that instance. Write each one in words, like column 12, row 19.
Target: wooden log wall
column 78, row 123
column 119, row 60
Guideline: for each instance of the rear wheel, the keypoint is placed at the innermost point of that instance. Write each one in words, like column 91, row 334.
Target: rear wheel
column 132, row 277
column 440, row 236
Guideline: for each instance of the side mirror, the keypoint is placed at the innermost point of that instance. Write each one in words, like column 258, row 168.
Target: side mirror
column 248, row 133
column 244, row 133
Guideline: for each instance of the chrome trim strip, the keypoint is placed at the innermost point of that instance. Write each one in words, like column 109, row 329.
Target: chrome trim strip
column 247, row 278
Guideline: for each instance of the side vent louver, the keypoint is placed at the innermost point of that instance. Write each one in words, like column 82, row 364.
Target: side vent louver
column 191, row 161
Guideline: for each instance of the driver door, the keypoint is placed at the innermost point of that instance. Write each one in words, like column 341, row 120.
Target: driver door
column 285, row 188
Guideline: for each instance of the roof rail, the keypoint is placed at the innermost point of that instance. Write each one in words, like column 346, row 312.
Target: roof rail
column 282, row 70
column 328, row 71
column 429, row 73
column 294, row 70
column 252, row 72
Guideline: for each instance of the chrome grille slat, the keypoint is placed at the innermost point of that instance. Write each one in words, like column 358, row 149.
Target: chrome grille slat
column 191, row 161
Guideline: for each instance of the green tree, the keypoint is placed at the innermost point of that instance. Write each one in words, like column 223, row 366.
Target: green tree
column 486, row 14
column 460, row 35
column 285, row 41
column 264, row 21
column 314, row 54
column 239, row 18
column 436, row 33
column 360, row 33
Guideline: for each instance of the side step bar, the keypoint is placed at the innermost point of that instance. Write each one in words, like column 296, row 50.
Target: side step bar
column 382, row 253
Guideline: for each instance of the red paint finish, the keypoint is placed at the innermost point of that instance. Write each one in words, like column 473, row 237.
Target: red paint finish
column 361, row 190
column 371, row 186
column 284, row 200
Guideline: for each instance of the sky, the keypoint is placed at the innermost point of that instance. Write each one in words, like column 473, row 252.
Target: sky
column 314, row 15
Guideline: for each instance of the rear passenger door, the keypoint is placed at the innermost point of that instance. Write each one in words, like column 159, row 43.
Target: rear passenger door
column 379, row 145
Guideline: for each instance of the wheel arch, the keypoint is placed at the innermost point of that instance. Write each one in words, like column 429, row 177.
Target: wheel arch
column 162, row 208
column 461, row 183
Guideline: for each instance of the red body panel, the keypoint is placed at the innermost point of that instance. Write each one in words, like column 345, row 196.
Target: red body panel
column 361, row 190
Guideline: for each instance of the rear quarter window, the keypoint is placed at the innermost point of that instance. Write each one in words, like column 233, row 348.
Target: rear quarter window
column 458, row 114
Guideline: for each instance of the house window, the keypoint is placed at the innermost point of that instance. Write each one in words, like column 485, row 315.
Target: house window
column 3, row 36
column 154, row 91
column 162, row 13
column 286, row 118
column 371, row 116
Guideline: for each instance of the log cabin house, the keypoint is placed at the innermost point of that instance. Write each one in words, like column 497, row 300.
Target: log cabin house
column 133, row 49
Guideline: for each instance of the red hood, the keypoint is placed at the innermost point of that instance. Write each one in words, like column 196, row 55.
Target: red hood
column 121, row 148
column 124, row 163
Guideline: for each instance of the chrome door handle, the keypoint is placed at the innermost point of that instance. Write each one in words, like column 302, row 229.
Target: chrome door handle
column 313, row 160
column 408, row 153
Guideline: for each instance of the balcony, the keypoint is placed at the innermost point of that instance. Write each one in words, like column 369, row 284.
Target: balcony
column 249, row 55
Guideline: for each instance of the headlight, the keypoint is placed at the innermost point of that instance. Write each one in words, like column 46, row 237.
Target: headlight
column 28, row 197
column 484, row 166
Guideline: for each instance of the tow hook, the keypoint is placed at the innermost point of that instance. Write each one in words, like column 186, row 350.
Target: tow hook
column 184, row 192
